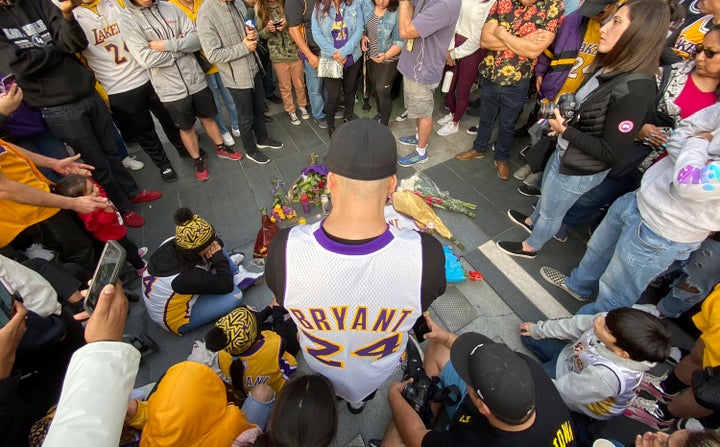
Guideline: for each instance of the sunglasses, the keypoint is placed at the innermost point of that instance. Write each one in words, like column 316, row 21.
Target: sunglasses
column 699, row 48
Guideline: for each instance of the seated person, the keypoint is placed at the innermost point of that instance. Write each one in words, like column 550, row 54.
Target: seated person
column 192, row 407
column 507, row 400
column 598, row 361
column 247, row 354
column 105, row 224
column 680, row 438
column 190, row 279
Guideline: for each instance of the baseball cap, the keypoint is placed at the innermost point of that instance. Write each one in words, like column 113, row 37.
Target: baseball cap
column 591, row 8
column 362, row 149
column 499, row 376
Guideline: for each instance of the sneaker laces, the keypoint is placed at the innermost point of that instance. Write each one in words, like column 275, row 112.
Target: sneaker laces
column 199, row 165
column 651, row 406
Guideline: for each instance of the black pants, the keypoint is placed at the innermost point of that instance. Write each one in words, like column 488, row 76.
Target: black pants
column 64, row 234
column 63, row 282
column 348, row 83
column 87, row 126
column 383, row 76
column 250, row 104
column 131, row 113
column 133, row 257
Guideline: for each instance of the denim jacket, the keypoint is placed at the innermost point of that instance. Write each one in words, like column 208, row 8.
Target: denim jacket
column 322, row 28
column 388, row 33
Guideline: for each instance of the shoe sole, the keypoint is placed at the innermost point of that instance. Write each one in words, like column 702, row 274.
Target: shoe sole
column 523, row 225
column 479, row 156
column 225, row 157
column 444, row 134
column 257, row 161
column 264, row 146
column 562, row 241
column 170, row 179
column 470, row 133
column 407, row 144
column 295, row 123
column 512, row 253
column 404, row 165
column 527, row 194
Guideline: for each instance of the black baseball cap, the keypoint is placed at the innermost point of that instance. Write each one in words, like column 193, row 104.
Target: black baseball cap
column 591, row 8
column 499, row 376
column 362, row 149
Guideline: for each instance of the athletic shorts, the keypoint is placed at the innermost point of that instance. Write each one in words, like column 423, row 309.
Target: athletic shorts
column 448, row 376
column 183, row 111
column 418, row 98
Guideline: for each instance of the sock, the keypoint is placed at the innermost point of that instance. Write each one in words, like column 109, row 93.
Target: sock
column 663, row 412
column 421, row 150
column 672, row 385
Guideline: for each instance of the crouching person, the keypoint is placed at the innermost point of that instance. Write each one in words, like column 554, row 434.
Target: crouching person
column 506, row 398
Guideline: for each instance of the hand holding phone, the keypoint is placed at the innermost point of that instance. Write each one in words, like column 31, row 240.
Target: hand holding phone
column 7, row 82
column 107, row 272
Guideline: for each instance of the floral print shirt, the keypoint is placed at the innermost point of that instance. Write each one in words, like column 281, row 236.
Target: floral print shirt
column 505, row 67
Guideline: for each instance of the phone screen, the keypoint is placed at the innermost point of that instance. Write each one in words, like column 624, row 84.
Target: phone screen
column 107, row 272
column 7, row 82
column 6, row 305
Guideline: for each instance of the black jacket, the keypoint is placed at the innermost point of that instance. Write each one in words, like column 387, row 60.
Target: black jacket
column 607, row 122
column 37, row 45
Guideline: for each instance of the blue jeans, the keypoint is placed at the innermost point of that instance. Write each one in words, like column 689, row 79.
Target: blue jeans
column 47, row 144
column 559, row 193
column 218, row 89
column 624, row 254
column 316, row 91
column 257, row 412
column 547, row 350
column 208, row 308
column 701, row 271
column 502, row 104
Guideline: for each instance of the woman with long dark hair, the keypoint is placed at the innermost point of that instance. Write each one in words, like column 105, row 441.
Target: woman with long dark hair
column 612, row 104
column 337, row 27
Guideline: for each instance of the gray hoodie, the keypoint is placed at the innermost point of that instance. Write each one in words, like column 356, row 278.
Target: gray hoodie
column 222, row 29
column 175, row 73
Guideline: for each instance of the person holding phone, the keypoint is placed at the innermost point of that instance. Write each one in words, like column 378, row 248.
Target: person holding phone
column 190, row 279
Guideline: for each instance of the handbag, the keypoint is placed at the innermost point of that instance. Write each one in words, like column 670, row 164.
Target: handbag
column 205, row 65
column 328, row 68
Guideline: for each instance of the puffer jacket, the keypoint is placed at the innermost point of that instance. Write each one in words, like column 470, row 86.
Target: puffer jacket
column 175, row 73
column 221, row 26
column 607, row 122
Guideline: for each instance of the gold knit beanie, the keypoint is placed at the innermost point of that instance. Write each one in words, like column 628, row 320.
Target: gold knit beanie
column 193, row 233
column 241, row 329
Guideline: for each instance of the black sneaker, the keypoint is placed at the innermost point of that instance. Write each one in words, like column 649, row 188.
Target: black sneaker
column 472, row 130
column 356, row 408
column 515, row 249
column 269, row 143
column 519, row 219
column 168, row 174
column 258, row 157
column 529, row 191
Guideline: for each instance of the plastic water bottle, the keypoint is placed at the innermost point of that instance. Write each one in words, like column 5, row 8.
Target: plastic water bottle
column 447, row 80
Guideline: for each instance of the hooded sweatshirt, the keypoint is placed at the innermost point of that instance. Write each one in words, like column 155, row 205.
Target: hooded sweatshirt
column 37, row 45
column 175, row 73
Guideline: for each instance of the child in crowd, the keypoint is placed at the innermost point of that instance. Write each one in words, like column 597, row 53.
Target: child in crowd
column 105, row 224
column 246, row 354
column 599, row 372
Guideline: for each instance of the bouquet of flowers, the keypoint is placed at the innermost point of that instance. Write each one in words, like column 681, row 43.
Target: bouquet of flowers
column 410, row 204
column 434, row 196
column 311, row 182
column 281, row 209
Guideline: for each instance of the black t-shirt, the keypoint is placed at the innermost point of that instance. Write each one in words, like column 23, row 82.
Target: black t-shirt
column 299, row 12
column 552, row 428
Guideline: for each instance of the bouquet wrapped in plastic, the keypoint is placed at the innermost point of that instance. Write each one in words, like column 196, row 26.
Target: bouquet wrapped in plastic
column 434, row 196
column 311, row 182
column 267, row 231
column 410, row 204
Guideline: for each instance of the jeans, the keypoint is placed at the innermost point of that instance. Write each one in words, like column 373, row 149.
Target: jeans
column 605, row 193
column 383, row 76
column 131, row 110
column 559, row 193
column 219, row 90
column 547, row 350
column 47, row 144
column 624, row 254
column 502, row 104
column 316, row 91
column 701, row 271
column 250, row 103
column 348, row 84
column 209, row 308
column 87, row 126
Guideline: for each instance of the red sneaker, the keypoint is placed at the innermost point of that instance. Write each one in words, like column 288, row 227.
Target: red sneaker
column 201, row 170
column 133, row 219
column 223, row 151
column 146, row 195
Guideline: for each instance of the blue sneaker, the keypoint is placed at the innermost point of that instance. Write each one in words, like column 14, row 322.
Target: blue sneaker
column 409, row 140
column 413, row 158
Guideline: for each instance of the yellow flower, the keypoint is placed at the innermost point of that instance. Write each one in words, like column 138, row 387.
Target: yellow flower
column 302, row 221
column 517, row 76
column 508, row 71
column 553, row 11
column 489, row 61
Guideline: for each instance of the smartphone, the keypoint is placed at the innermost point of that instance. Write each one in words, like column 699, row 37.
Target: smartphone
column 7, row 82
column 277, row 24
column 7, row 304
column 107, row 272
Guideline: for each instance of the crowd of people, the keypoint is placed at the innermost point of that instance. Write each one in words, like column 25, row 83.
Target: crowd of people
column 625, row 130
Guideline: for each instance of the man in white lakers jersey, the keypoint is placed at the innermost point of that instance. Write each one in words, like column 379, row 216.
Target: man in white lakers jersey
column 353, row 284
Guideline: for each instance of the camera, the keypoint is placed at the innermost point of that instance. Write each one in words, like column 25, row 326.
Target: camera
column 567, row 105
column 419, row 393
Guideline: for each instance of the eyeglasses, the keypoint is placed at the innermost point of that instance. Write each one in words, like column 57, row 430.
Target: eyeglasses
column 699, row 48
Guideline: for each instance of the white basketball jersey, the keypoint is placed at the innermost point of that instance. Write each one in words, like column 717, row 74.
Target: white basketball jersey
column 353, row 304
column 106, row 53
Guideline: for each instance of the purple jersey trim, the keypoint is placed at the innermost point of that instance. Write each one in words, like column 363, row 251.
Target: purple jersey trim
column 354, row 250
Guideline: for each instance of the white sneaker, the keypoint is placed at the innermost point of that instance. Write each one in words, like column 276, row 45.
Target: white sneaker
column 38, row 251
column 303, row 113
column 523, row 172
column 228, row 139
column 142, row 251
column 445, row 119
column 244, row 279
column 131, row 163
column 237, row 258
column 236, row 132
column 448, row 129
column 402, row 117
column 294, row 120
